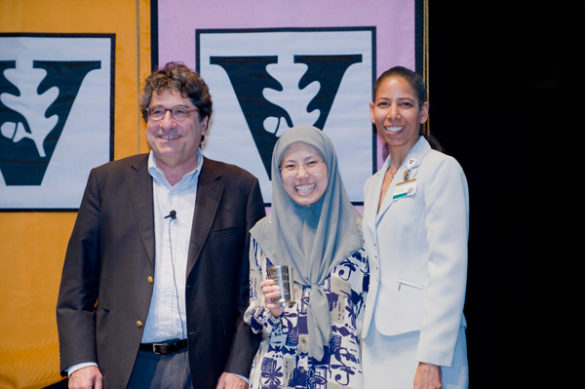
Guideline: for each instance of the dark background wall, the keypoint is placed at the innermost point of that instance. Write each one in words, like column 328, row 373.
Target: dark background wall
column 506, row 97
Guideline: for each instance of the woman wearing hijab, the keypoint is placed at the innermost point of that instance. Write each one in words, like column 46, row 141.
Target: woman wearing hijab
column 415, row 224
column 314, row 229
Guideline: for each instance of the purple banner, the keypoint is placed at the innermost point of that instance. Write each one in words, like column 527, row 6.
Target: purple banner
column 271, row 65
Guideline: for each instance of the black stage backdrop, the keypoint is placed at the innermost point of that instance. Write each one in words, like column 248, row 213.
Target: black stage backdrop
column 506, row 99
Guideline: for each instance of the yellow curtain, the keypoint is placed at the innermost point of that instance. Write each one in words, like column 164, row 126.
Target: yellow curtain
column 32, row 244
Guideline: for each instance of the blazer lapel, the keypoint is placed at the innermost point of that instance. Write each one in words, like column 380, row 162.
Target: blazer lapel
column 411, row 164
column 209, row 194
column 379, row 182
column 371, row 211
column 140, row 188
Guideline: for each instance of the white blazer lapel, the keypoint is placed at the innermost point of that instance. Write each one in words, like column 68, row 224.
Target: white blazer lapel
column 410, row 165
column 375, row 195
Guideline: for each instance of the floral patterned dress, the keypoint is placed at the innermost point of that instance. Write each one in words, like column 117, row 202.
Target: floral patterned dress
column 282, row 361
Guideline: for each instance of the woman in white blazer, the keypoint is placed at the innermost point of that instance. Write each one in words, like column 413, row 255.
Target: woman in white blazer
column 415, row 225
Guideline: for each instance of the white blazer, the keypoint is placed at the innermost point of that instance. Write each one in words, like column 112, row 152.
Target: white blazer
column 417, row 247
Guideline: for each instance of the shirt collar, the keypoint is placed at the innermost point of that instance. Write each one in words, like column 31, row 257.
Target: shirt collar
column 413, row 158
column 188, row 179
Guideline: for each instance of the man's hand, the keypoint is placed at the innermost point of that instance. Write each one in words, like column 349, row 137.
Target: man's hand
column 86, row 378
column 230, row 381
column 428, row 376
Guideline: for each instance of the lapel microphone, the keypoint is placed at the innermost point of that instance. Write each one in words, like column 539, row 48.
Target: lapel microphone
column 172, row 215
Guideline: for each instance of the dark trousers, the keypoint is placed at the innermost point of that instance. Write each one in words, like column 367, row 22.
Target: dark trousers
column 161, row 371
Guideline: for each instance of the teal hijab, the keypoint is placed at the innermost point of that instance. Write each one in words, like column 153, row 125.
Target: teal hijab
column 313, row 239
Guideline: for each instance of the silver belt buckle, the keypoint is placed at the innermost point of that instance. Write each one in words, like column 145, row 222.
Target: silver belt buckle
column 156, row 348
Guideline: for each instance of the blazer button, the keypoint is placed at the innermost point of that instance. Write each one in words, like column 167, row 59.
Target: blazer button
column 149, row 279
column 139, row 323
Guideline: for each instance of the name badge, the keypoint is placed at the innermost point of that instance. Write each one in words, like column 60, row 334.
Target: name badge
column 405, row 188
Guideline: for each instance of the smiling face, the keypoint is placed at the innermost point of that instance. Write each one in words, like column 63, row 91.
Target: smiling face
column 304, row 173
column 397, row 113
column 175, row 143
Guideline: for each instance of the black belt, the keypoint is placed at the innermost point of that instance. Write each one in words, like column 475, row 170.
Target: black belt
column 165, row 347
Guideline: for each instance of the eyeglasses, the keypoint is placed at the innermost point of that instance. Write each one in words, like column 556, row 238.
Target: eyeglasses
column 309, row 166
column 178, row 112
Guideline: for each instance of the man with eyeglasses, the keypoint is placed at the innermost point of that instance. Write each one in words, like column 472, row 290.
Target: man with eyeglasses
column 155, row 279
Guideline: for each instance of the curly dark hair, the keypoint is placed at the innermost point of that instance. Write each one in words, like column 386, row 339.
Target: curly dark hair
column 177, row 76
